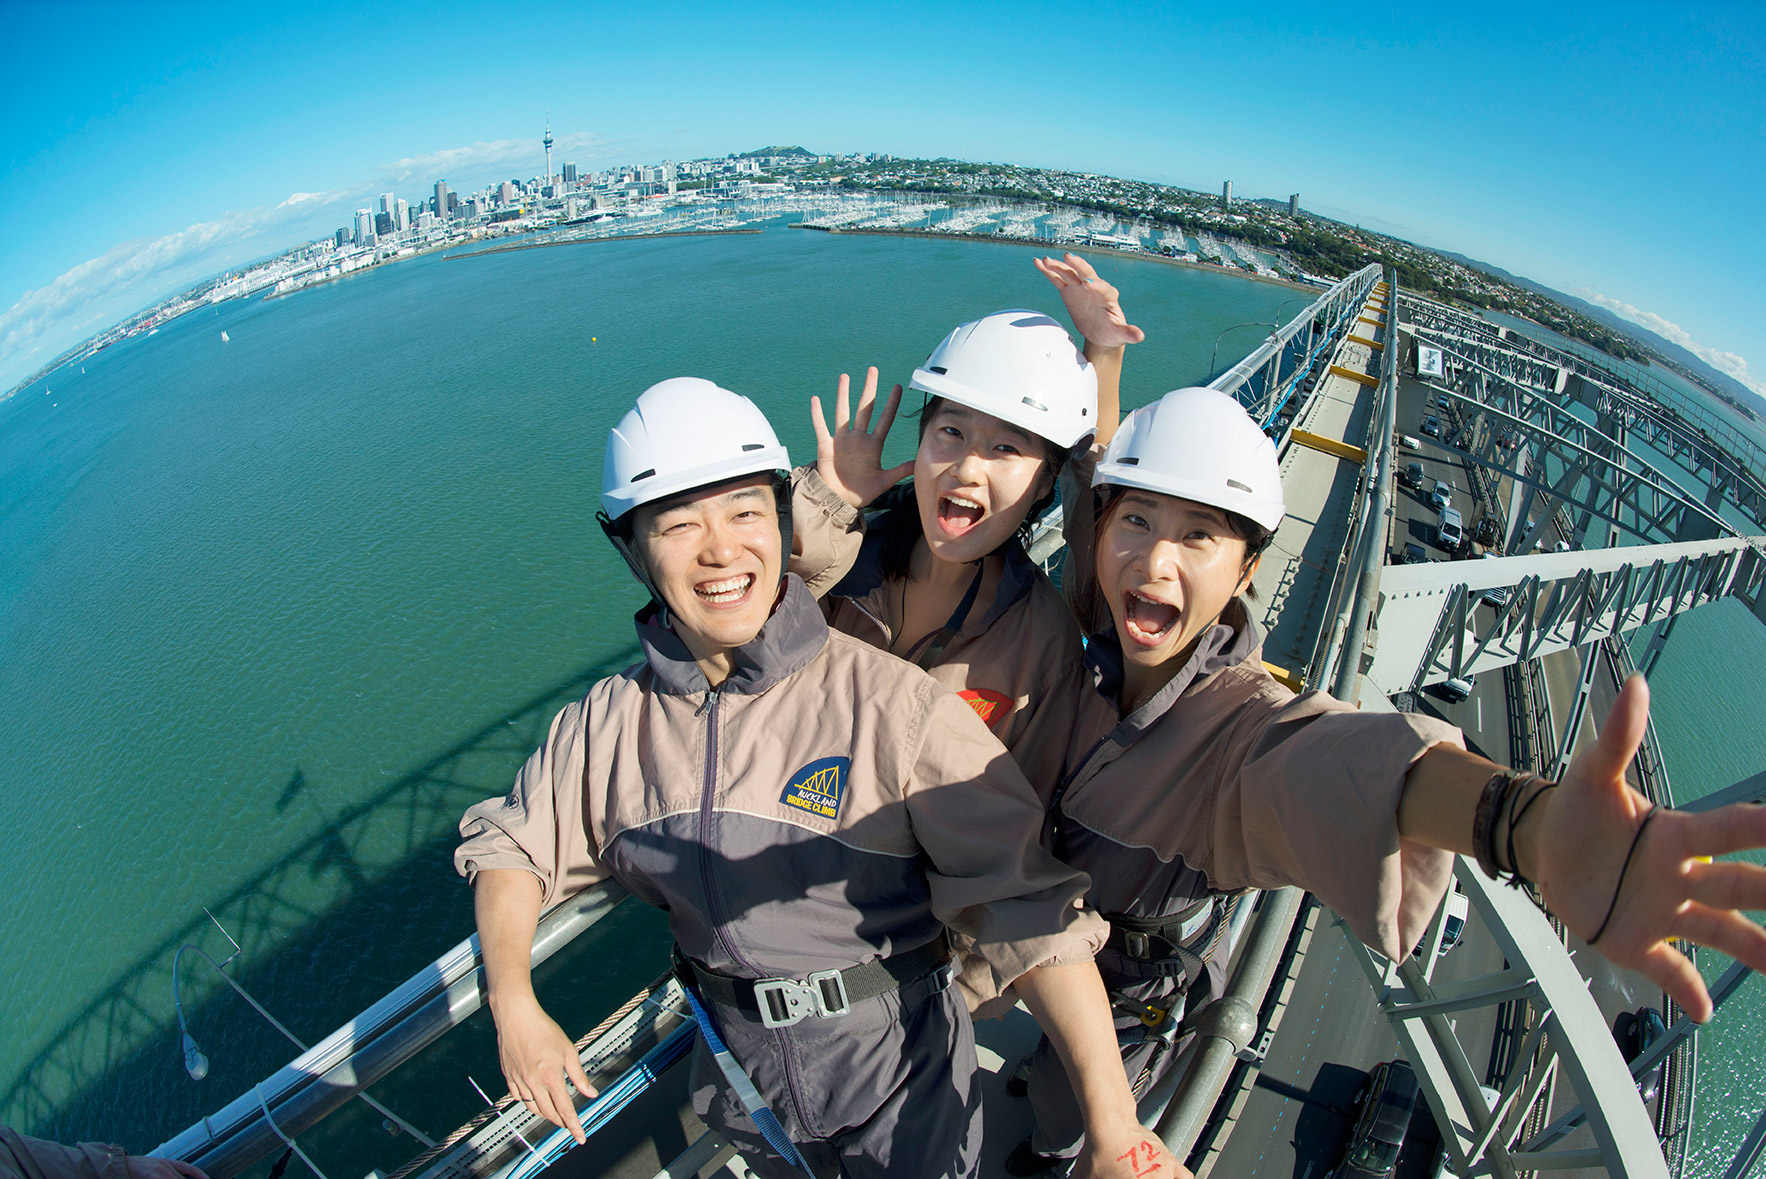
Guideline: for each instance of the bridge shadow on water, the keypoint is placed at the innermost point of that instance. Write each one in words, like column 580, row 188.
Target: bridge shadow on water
column 363, row 903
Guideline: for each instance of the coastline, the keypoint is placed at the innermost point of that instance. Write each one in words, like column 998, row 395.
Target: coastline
column 585, row 241
column 999, row 238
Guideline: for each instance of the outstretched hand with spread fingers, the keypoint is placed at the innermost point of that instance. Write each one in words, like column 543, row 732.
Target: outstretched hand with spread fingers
column 1094, row 305
column 850, row 457
column 1628, row 880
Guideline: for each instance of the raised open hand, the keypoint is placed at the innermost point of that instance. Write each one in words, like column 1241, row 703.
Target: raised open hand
column 1094, row 305
column 1627, row 877
column 850, row 458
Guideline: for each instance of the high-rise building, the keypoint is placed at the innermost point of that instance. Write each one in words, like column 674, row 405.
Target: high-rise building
column 383, row 225
column 506, row 193
column 342, row 236
column 364, row 227
column 548, row 147
column 570, row 173
column 401, row 215
column 1226, row 196
column 1294, row 204
column 386, row 203
column 441, row 199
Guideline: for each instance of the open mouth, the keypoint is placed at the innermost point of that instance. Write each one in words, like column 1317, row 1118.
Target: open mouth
column 1148, row 622
column 727, row 592
column 957, row 514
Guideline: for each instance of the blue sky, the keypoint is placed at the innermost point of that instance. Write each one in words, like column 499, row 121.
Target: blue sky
column 1613, row 151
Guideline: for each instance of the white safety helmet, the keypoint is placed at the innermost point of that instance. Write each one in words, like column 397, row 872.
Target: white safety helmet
column 1021, row 367
column 684, row 432
column 1201, row 445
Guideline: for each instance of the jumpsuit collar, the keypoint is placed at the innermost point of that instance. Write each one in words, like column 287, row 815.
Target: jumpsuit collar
column 794, row 635
column 1231, row 641
column 866, row 577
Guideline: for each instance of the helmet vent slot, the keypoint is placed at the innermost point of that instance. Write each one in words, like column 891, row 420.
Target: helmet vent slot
column 644, row 474
column 939, row 369
column 747, row 446
column 1237, row 486
column 1034, row 404
column 1129, row 461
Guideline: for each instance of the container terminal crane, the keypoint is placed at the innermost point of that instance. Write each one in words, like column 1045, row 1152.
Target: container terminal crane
column 1607, row 507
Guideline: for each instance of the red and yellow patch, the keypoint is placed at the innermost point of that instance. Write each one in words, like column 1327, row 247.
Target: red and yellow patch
column 992, row 707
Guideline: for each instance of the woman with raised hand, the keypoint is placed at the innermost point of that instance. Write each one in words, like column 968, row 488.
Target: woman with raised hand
column 1192, row 773
column 813, row 815
column 940, row 575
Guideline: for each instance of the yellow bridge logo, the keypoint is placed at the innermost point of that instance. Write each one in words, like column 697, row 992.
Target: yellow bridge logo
column 818, row 787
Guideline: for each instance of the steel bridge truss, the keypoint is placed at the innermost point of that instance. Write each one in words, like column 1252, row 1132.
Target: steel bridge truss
column 1436, row 622
column 1527, row 380
column 1558, row 1034
column 1517, row 434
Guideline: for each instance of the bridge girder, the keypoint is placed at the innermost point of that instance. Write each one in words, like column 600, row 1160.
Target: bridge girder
column 1430, row 627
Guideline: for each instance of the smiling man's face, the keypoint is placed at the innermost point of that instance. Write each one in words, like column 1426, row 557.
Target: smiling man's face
column 715, row 554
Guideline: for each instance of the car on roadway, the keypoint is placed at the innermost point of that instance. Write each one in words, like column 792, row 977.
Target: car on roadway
column 1412, row 476
column 1441, row 400
column 1635, row 1032
column 1387, row 1101
column 1496, row 595
column 1485, row 531
column 1449, row 531
column 1413, row 554
column 1455, row 689
column 1410, row 442
column 1432, row 427
column 1442, row 497
column 1453, row 926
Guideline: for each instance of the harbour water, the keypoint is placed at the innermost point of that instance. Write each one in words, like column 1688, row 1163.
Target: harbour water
column 275, row 608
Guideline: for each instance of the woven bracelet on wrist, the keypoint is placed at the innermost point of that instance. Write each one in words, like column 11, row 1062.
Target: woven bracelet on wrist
column 1484, row 823
column 1619, row 885
column 1515, row 878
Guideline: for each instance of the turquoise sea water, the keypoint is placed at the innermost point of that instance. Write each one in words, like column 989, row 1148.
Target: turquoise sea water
column 275, row 610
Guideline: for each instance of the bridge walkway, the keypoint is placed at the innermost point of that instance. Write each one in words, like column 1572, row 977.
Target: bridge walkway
column 1323, row 485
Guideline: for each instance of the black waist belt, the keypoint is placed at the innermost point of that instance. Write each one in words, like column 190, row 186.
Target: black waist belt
column 781, row 1002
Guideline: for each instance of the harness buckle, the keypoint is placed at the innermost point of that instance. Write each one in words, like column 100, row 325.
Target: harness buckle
column 1138, row 945
column 786, row 1001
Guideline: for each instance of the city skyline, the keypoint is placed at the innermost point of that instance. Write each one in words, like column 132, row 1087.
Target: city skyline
column 1551, row 150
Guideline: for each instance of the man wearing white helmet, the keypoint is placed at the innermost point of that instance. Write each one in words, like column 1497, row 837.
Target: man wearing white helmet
column 812, row 814
column 1193, row 774
column 940, row 575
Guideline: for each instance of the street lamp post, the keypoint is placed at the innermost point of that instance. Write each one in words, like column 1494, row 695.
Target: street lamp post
column 1213, row 355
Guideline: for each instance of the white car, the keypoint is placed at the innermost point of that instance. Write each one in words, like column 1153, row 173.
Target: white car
column 1496, row 595
column 1410, row 442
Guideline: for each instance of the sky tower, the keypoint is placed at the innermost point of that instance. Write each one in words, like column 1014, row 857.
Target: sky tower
column 548, row 147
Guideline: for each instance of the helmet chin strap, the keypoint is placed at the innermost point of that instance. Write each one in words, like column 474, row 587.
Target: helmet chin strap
column 634, row 563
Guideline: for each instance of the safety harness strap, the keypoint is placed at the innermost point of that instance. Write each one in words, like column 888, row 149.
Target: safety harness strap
column 740, row 1084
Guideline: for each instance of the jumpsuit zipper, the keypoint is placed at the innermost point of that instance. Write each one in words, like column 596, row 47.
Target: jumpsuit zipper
column 714, row 917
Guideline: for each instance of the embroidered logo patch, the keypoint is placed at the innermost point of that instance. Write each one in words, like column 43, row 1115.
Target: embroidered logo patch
column 818, row 787
column 990, row 706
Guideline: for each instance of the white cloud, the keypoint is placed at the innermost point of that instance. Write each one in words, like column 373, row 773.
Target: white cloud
column 131, row 274
column 1728, row 363
column 480, row 157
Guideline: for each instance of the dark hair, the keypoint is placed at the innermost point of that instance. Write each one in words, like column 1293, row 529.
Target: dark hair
column 1256, row 537
column 898, row 521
